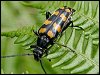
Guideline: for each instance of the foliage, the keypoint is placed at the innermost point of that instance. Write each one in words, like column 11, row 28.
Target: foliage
column 85, row 58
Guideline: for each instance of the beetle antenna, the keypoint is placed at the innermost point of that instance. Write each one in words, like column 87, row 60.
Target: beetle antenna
column 42, row 66
column 16, row 55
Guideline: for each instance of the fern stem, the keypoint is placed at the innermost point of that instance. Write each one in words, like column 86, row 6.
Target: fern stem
column 78, row 53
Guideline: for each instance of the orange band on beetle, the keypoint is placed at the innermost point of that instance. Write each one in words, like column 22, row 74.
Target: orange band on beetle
column 56, row 13
column 63, row 17
column 47, row 22
column 62, row 8
column 50, row 34
column 57, row 27
column 67, row 10
column 42, row 30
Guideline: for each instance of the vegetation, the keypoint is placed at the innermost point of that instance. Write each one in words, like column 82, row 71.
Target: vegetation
column 19, row 18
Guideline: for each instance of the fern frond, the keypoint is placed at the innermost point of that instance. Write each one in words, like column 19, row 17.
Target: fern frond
column 21, row 31
column 82, row 61
column 85, row 58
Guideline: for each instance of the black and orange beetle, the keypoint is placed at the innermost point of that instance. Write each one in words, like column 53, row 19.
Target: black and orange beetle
column 49, row 31
column 47, row 34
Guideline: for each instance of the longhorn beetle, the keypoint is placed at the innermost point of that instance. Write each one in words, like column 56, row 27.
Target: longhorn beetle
column 54, row 25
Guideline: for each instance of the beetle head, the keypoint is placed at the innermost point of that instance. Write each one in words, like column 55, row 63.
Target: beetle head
column 38, row 52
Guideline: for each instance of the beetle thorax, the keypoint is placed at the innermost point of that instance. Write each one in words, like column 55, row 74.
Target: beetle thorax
column 43, row 41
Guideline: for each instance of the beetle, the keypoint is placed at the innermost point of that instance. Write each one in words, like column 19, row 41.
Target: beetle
column 54, row 25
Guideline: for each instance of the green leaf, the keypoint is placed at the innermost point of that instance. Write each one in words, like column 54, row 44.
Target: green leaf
column 81, row 54
column 82, row 61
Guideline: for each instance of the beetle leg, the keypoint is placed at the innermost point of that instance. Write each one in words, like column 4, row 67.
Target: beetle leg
column 36, row 33
column 46, row 51
column 48, row 14
column 68, row 23
column 71, row 22
column 65, row 47
column 76, row 26
column 32, row 46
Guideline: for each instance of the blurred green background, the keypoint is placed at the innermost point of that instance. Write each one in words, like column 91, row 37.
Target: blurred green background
column 13, row 16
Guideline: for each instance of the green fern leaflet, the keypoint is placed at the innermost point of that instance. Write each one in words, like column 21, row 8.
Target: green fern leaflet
column 85, row 44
